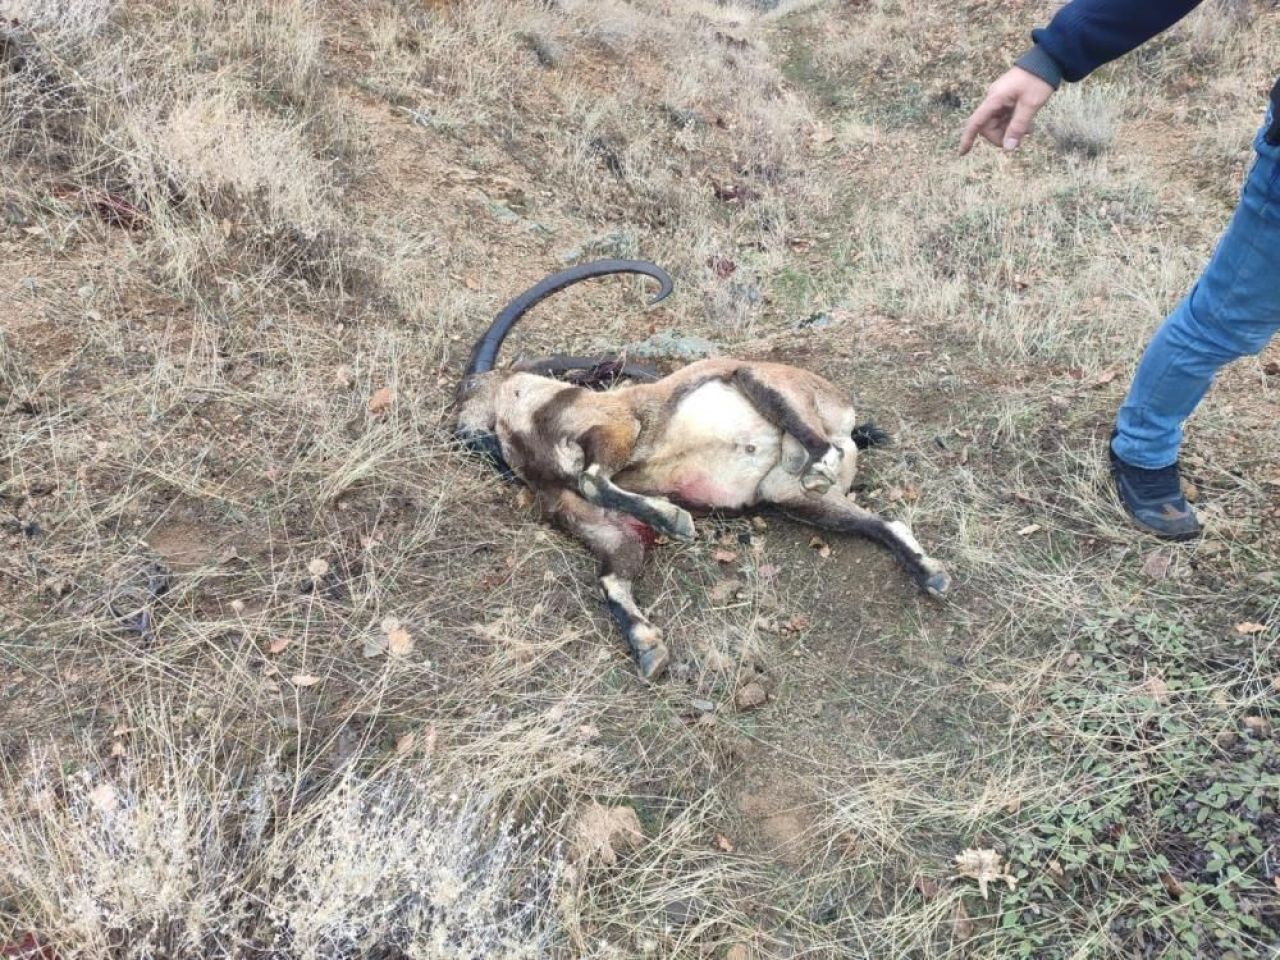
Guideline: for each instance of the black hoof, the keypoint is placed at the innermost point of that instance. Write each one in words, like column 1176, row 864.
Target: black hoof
column 938, row 584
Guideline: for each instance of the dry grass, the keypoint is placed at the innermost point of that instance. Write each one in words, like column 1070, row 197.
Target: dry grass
column 227, row 226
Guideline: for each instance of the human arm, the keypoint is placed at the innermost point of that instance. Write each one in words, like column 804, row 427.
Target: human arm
column 1082, row 36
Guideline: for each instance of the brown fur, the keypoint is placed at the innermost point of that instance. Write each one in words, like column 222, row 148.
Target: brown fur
column 717, row 434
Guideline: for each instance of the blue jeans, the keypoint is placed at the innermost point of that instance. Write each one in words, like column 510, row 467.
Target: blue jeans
column 1231, row 311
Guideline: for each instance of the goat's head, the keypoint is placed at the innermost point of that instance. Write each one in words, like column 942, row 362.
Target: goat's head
column 480, row 390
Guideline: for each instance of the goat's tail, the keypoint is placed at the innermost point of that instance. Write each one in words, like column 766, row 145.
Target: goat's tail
column 867, row 435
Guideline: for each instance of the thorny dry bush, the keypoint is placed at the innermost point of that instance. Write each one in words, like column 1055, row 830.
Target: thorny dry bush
column 282, row 673
column 179, row 853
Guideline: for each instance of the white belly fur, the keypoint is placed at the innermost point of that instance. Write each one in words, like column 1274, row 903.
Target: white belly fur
column 714, row 451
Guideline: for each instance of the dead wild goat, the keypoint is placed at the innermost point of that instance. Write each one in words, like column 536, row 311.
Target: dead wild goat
column 615, row 468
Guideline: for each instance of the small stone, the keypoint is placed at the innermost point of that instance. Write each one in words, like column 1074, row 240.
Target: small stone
column 683, row 911
column 502, row 212
column 1226, row 739
column 702, row 705
column 667, row 343
column 750, row 696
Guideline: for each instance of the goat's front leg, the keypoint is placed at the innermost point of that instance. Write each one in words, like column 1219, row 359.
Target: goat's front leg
column 839, row 513
column 658, row 512
column 570, row 463
column 618, row 545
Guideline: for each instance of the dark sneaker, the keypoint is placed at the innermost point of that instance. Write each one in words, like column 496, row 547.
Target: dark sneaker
column 1153, row 498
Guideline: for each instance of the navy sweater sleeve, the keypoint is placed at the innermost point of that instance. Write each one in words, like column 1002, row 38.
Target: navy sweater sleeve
column 1085, row 34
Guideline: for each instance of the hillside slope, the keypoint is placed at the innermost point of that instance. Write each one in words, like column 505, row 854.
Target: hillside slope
column 281, row 673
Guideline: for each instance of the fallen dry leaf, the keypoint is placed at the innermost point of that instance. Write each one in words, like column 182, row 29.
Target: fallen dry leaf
column 961, row 925
column 724, row 590
column 796, row 624
column 724, row 843
column 1106, row 376
column 724, row 556
column 1249, row 627
column 405, row 742
column 1156, row 563
column 601, row 833
column 722, row 267
column 304, row 680
column 1029, row 529
column 823, row 548
column 983, row 866
column 1155, row 688
column 928, row 887
column 1172, row 885
column 399, row 643
column 279, row 644
column 908, row 492
column 381, row 401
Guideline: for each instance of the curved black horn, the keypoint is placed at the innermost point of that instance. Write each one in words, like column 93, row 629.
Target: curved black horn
column 485, row 354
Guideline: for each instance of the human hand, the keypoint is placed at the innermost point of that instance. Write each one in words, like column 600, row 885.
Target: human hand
column 1004, row 117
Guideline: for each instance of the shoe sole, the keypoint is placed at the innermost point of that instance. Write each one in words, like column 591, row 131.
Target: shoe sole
column 1160, row 534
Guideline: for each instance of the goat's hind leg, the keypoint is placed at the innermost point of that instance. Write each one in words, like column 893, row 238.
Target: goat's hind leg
column 619, row 549
column 658, row 512
column 839, row 513
column 777, row 404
